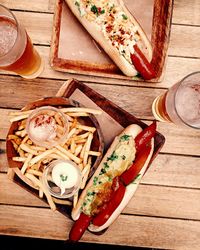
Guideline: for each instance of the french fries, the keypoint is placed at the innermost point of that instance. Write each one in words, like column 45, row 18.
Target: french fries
column 77, row 147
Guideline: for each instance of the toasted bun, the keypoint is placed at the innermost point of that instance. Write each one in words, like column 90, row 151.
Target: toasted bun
column 130, row 190
column 132, row 130
column 144, row 44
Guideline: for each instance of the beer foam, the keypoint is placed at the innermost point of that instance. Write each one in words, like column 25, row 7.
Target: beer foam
column 188, row 104
column 8, row 35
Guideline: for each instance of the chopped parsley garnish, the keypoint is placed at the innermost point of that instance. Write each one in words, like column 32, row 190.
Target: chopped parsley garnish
column 124, row 138
column 91, row 193
column 123, row 157
column 112, row 157
column 109, row 178
column 106, row 165
column 84, row 203
column 63, row 178
column 95, row 180
column 103, row 171
column 94, row 9
column 124, row 17
column 77, row 4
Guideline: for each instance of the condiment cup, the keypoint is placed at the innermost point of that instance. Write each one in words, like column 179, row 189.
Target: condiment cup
column 63, row 173
column 43, row 127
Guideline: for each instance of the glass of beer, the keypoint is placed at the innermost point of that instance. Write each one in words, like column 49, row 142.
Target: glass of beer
column 181, row 103
column 17, row 53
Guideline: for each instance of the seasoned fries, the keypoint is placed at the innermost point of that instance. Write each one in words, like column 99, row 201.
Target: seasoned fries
column 76, row 147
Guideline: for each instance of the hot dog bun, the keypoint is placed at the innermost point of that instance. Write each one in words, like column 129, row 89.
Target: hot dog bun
column 132, row 130
column 130, row 190
column 126, row 30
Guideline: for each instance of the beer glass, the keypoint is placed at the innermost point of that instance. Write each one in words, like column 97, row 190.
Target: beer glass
column 181, row 103
column 17, row 53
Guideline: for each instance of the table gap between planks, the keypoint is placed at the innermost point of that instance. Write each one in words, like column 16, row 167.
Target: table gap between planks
column 165, row 212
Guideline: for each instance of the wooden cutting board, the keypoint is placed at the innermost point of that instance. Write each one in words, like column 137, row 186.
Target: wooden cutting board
column 73, row 49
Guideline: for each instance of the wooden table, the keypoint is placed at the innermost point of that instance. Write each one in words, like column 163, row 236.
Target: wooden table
column 165, row 212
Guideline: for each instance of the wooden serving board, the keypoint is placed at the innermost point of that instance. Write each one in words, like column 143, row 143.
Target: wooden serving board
column 112, row 121
column 73, row 50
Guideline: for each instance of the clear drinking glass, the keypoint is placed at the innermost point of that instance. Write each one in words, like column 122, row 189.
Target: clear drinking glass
column 181, row 103
column 17, row 53
column 64, row 169
column 47, row 126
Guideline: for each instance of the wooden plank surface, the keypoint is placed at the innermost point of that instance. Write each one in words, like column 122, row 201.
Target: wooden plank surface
column 149, row 200
column 166, row 170
column 162, row 233
column 187, row 140
column 180, row 42
column 182, row 9
column 165, row 212
column 176, row 69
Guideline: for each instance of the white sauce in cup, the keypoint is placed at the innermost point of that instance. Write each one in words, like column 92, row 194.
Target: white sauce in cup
column 62, row 178
column 65, row 176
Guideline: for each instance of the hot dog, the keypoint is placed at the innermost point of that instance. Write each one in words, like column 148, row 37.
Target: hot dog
column 115, row 180
column 118, row 33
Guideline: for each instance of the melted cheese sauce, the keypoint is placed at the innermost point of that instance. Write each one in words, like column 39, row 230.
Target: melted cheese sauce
column 111, row 20
column 120, row 159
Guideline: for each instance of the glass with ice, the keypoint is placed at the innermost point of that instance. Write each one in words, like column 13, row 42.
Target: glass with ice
column 17, row 53
column 181, row 103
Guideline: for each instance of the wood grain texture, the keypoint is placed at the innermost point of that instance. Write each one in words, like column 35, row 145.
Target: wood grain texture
column 162, row 233
column 129, row 98
column 3, row 158
column 174, row 170
column 18, row 196
column 185, row 12
column 169, row 190
column 149, row 200
column 180, row 42
column 166, row 169
column 39, row 34
column 38, row 5
column 161, row 25
column 176, row 69
column 161, row 29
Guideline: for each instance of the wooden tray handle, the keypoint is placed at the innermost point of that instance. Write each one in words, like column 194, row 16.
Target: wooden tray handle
column 62, row 91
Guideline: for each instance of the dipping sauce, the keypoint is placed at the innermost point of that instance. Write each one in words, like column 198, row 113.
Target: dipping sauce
column 65, row 176
column 62, row 178
column 47, row 126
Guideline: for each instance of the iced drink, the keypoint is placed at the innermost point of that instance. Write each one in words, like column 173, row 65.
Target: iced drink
column 17, row 53
column 181, row 103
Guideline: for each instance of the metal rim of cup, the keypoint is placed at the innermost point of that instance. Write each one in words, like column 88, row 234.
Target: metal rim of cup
column 176, row 97
column 17, row 26
column 35, row 111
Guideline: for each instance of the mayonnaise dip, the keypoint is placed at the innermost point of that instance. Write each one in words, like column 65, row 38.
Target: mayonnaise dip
column 65, row 176
column 62, row 178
